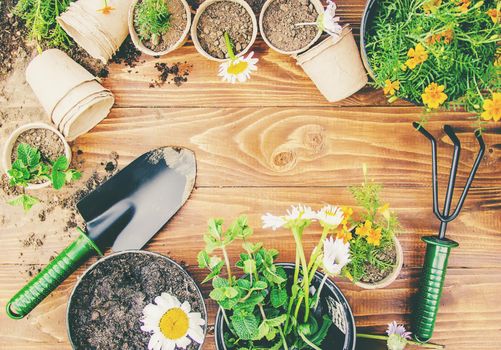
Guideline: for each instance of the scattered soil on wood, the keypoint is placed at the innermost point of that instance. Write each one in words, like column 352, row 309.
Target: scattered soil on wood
column 127, row 54
column 107, row 305
column 372, row 273
column 48, row 143
column 221, row 17
column 177, row 25
column 279, row 24
column 176, row 73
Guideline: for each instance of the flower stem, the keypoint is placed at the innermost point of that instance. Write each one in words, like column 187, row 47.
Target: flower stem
column 319, row 291
column 313, row 346
column 412, row 342
column 306, row 279
column 228, row 267
column 318, row 249
column 229, row 46
column 293, row 296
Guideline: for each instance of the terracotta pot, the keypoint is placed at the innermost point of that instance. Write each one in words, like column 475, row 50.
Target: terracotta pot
column 201, row 9
column 139, row 44
column 393, row 275
column 9, row 146
column 342, row 334
column 334, row 65
column 71, row 96
column 318, row 6
column 127, row 252
column 99, row 34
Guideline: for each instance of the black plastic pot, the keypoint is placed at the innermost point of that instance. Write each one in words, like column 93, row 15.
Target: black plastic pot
column 332, row 300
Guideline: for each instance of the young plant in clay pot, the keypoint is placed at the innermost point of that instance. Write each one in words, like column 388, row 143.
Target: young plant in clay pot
column 376, row 253
column 36, row 156
column 158, row 27
column 136, row 300
column 282, row 24
column 334, row 65
column 213, row 19
column 279, row 305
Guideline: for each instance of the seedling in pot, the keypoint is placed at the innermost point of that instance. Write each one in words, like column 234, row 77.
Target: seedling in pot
column 152, row 20
column 236, row 68
column 31, row 167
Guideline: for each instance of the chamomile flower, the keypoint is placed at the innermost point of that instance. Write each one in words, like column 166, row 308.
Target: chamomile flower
column 328, row 21
column 236, row 68
column 299, row 212
column 397, row 336
column 330, row 216
column 171, row 323
column 336, row 255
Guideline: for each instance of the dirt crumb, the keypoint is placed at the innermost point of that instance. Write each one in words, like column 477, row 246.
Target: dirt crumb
column 176, row 73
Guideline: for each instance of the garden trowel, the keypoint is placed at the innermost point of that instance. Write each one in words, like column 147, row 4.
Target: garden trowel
column 123, row 213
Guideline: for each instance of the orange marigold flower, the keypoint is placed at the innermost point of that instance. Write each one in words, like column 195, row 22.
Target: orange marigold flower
column 106, row 9
column 345, row 235
column 391, row 87
column 494, row 14
column 431, row 6
column 374, row 236
column 492, row 108
column 417, row 55
column 348, row 212
column 434, row 95
column 463, row 5
column 363, row 230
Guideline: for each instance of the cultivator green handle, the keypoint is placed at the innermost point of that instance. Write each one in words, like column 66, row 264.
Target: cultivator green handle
column 51, row 276
column 431, row 284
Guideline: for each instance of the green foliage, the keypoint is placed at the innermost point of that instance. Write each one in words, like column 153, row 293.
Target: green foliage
column 40, row 18
column 465, row 65
column 255, row 304
column 30, row 167
column 152, row 19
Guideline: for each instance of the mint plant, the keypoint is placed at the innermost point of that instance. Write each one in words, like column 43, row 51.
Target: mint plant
column 31, row 167
column 265, row 308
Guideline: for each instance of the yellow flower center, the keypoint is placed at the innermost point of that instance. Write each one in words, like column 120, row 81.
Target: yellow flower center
column 237, row 68
column 174, row 323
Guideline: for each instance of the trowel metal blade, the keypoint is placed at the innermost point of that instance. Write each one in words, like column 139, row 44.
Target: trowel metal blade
column 126, row 211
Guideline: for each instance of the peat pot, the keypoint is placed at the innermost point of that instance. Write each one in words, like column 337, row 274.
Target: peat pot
column 11, row 141
column 175, row 17
column 195, row 36
column 334, row 65
column 118, row 287
column 385, row 282
column 342, row 335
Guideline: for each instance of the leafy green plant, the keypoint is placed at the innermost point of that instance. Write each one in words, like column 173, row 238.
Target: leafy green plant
column 31, row 167
column 265, row 308
column 438, row 53
column 152, row 19
column 40, row 18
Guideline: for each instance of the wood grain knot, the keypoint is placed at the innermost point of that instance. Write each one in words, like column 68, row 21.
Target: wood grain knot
column 313, row 137
column 283, row 159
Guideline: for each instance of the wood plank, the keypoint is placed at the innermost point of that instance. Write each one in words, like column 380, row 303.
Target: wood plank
column 476, row 229
column 469, row 316
column 297, row 146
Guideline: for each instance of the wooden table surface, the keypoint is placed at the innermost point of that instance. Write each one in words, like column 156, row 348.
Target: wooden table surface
column 272, row 142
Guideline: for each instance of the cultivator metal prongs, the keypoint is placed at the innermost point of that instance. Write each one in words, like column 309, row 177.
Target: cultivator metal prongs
column 439, row 247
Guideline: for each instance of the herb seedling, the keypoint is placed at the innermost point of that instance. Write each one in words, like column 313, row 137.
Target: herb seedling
column 30, row 167
column 152, row 20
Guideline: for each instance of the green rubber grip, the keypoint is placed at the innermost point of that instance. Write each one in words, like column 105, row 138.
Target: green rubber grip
column 51, row 276
column 431, row 285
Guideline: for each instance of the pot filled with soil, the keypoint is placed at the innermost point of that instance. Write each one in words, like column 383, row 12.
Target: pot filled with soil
column 214, row 18
column 341, row 334
column 38, row 136
column 136, row 300
column 335, row 66
column 286, row 24
column 158, row 27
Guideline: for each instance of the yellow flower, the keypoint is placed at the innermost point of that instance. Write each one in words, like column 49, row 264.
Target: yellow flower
column 431, row 6
column 390, row 87
column 344, row 234
column 434, row 95
column 385, row 211
column 463, row 5
column 373, row 236
column 492, row 108
column 446, row 35
column 416, row 56
column 106, row 8
column 348, row 212
column 364, row 229
column 494, row 14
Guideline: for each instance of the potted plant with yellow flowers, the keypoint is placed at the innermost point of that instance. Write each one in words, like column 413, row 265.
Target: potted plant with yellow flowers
column 376, row 253
column 270, row 305
column 440, row 54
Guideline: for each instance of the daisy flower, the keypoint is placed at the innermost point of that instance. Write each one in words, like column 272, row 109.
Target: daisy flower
column 171, row 323
column 299, row 212
column 328, row 21
column 336, row 255
column 330, row 216
column 236, row 68
column 397, row 336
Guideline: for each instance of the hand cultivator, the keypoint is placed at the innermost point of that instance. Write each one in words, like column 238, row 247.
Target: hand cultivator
column 439, row 247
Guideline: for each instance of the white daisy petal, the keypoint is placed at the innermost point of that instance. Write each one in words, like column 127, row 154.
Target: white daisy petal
column 240, row 73
column 183, row 342
column 155, row 341
column 336, row 255
column 196, row 319
column 330, row 216
column 186, row 307
column 197, row 334
column 168, row 344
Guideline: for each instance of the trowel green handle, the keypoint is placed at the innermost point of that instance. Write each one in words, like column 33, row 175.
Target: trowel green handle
column 431, row 285
column 51, row 276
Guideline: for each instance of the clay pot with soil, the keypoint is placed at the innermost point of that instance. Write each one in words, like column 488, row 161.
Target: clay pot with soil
column 374, row 278
column 107, row 307
column 281, row 24
column 216, row 17
column 176, row 23
column 48, row 140
column 335, row 66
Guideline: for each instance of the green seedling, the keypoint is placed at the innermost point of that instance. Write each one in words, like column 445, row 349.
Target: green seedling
column 152, row 20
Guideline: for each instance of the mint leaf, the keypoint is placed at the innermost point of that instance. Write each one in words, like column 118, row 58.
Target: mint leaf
column 203, row 259
column 249, row 266
column 219, row 282
column 277, row 321
column 58, row 175
column 278, row 297
column 246, row 326
column 217, row 294
column 25, row 200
